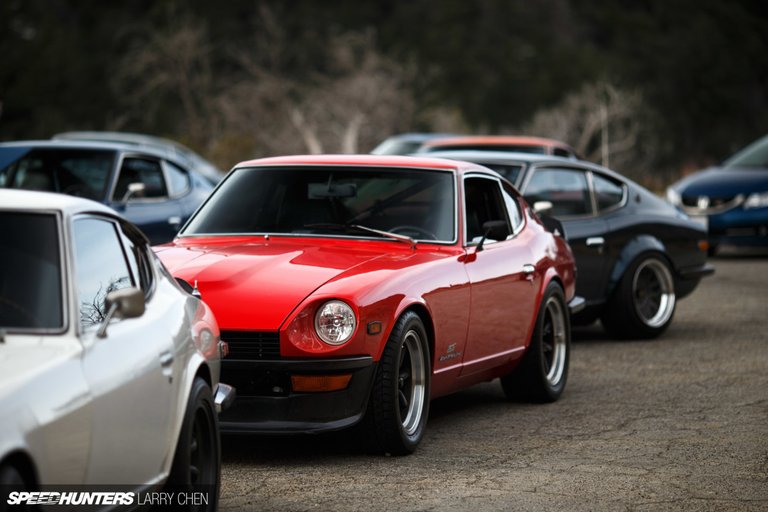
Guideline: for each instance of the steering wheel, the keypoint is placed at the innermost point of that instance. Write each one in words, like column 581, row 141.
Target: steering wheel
column 428, row 235
column 18, row 310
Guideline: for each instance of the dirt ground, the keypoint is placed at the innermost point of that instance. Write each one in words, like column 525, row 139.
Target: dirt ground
column 679, row 423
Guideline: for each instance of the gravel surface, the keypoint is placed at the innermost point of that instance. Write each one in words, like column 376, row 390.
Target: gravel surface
column 678, row 423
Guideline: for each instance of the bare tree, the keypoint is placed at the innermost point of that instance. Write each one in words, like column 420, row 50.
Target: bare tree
column 602, row 122
column 171, row 65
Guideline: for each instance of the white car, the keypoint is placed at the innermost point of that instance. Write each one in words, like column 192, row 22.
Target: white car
column 109, row 371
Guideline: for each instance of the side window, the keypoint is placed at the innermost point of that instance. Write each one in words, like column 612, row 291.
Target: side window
column 609, row 193
column 561, row 152
column 100, row 266
column 483, row 203
column 139, row 261
column 566, row 189
column 141, row 170
column 513, row 207
column 178, row 180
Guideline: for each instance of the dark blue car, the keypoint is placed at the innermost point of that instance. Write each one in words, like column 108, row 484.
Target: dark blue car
column 148, row 187
column 732, row 200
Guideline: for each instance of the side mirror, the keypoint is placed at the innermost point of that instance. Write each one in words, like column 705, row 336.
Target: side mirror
column 125, row 303
column 134, row 189
column 495, row 230
column 542, row 207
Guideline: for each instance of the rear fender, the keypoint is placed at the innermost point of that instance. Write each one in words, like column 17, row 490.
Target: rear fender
column 637, row 246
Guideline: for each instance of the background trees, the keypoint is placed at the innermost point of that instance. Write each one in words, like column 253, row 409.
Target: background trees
column 654, row 87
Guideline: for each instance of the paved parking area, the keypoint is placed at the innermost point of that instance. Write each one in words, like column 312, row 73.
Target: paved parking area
column 679, row 423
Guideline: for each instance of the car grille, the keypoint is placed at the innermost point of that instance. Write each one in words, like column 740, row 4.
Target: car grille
column 701, row 205
column 252, row 345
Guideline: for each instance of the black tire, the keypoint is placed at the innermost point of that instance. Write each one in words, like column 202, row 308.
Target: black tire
column 643, row 304
column 197, row 461
column 399, row 404
column 543, row 372
column 11, row 479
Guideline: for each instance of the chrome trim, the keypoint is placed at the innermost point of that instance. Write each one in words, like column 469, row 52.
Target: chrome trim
column 528, row 269
column 479, row 174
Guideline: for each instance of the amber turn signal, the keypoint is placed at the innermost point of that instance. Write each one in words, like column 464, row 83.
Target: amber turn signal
column 703, row 245
column 319, row 383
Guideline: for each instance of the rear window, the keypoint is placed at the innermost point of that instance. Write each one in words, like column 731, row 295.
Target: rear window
column 30, row 272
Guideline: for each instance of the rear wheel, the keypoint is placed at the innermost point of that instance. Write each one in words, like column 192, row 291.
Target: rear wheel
column 197, row 461
column 643, row 304
column 542, row 374
column 397, row 412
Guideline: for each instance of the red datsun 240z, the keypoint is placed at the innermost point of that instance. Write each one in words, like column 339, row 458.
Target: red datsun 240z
column 356, row 288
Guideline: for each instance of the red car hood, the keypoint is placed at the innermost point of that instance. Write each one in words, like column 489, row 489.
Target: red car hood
column 256, row 285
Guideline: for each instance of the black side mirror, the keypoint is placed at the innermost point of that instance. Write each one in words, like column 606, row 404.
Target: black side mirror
column 495, row 230
column 125, row 303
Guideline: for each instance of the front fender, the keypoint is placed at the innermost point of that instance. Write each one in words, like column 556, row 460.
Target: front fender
column 634, row 248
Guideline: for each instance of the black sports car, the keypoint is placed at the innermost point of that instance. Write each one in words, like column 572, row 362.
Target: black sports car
column 636, row 254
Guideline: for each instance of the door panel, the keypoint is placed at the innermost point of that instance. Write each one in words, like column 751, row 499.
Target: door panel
column 132, row 400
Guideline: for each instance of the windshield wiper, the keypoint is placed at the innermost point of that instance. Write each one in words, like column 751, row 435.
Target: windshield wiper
column 365, row 229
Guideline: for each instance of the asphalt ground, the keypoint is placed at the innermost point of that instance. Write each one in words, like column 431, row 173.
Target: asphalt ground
column 677, row 423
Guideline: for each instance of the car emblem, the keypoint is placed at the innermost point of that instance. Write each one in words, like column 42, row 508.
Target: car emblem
column 702, row 202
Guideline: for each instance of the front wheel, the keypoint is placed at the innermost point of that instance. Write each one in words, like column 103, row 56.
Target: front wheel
column 643, row 304
column 397, row 412
column 197, row 461
column 542, row 373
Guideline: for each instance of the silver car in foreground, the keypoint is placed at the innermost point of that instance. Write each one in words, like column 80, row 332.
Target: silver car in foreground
column 109, row 371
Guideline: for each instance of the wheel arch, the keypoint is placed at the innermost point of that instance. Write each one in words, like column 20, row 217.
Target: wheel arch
column 426, row 319
column 634, row 249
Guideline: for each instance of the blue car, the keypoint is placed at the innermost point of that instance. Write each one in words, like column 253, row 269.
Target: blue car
column 731, row 200
column 148, row 187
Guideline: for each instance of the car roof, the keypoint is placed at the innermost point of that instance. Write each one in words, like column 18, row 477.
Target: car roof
column 85, row 144
column 393, row 161
column 32, row 201
column 509, row 157
column 497, row 139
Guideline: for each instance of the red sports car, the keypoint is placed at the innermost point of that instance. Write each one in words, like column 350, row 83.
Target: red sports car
column 357, row 288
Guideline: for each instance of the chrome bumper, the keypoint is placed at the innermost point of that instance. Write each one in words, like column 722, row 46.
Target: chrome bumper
column 576, row 304
column 224, row 396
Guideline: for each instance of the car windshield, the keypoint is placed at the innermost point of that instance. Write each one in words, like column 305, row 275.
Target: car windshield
column 30, row 272
column 77, row 172
column 331, row 201
column 754, row 155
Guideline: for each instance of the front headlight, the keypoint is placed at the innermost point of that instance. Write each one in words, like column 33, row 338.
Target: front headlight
column 335, row 322
column 674, row 197
column 756, row 200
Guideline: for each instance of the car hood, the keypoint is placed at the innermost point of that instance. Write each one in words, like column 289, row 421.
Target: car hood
column 256, row 285
column 724, row 182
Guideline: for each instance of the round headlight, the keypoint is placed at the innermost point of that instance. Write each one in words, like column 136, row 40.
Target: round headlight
column 335, row 322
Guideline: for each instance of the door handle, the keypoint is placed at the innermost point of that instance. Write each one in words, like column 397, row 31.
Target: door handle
column 595, row 241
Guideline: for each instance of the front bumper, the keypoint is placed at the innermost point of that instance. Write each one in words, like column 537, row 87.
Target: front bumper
column 266, row 404
column 224, row 396
column 740, row 227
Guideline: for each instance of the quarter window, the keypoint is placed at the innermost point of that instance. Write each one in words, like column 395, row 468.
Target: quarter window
column 101, row 267
column 483, row 203
column 178, row 180
column 566, row 189
column 141, row 170
column 513, row 206
column 608, row 192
